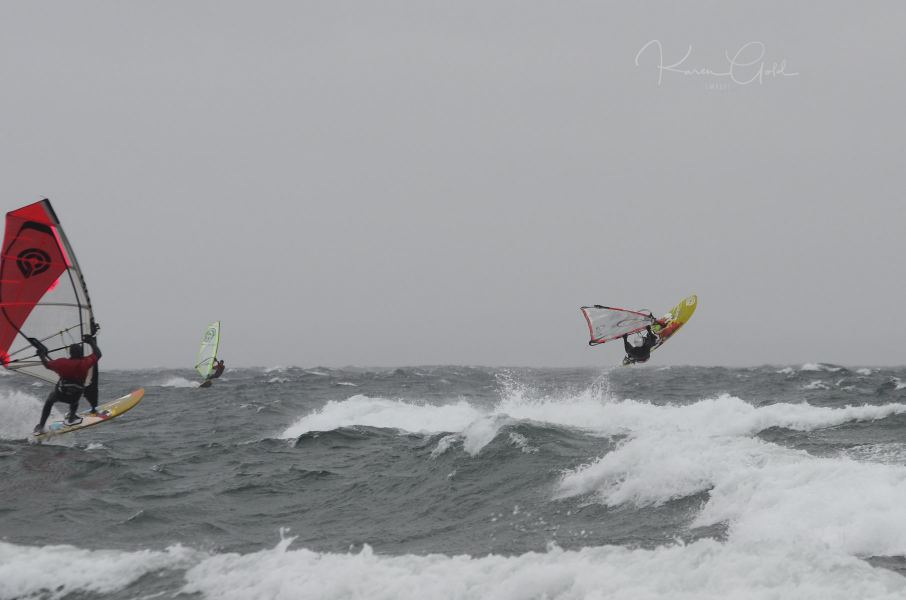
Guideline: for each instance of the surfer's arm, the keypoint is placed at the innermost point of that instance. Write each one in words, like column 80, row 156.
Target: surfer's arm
column 92, row 341
column 626, row 345
column 41, row 348
column 650, row 339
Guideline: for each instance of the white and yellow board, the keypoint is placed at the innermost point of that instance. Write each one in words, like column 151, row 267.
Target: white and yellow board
column 670, row 323
column 106, row 412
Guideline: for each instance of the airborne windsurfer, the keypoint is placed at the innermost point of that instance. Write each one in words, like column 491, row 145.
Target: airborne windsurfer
column 639, row 354
column 609, row 323
column 73, row 372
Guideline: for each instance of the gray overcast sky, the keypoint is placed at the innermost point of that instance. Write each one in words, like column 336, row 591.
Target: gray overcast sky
column 447, row 182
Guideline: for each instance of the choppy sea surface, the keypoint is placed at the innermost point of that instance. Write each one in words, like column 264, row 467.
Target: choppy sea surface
column 465, row 482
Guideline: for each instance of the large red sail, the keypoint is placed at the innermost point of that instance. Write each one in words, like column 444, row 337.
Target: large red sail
column 42, row 291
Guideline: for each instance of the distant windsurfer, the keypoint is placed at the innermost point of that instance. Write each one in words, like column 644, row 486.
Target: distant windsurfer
column 639, row 354
column 73, row 372
column 218, row 370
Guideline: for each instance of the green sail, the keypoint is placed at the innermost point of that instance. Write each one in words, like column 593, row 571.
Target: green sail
column 210, row 344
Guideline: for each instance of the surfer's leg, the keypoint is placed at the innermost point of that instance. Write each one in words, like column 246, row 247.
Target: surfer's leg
column 45, row 412
column 73, row 406
column 91, row 392
column 73, row 402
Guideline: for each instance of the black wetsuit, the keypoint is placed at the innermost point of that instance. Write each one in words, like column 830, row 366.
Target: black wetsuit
column 71, row 386
column 91, row 390
column 67, row 395
column 641, row 353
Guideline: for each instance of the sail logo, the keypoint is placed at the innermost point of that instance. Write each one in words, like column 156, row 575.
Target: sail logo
column 33, row 261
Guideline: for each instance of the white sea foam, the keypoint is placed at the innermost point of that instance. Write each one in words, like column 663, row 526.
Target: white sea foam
column 706, row 427
column 522, row 442
column 444, row 444
column 347, row 383
column 793, row 498
column 476, row 426
column 819, row 367
column 178, row 382
column 480, row 432
column 393, row 414
column 864, row 371
column 21, row 412
column 817, row 384
column 591, row 411
column 704, row 570
column 766, row 493
column 278, row 380
column 893, row 453
column 786, row 371
column 763, row 491
column 53, row 572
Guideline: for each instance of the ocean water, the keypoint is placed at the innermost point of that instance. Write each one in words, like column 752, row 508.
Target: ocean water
column 461, row 482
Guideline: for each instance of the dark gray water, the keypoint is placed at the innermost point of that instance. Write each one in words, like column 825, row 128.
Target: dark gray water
column 455, row 482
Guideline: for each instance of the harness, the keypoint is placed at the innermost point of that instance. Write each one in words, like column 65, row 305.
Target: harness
column 70, row 388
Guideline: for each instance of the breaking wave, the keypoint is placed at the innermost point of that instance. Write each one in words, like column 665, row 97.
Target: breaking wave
column 705, row 570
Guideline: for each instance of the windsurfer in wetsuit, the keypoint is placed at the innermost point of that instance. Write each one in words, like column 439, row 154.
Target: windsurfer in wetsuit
column 218, row 370
column 639, row 354
column 73, row 372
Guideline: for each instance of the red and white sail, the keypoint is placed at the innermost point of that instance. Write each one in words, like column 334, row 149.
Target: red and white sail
column 42, row 291
column 606, row 323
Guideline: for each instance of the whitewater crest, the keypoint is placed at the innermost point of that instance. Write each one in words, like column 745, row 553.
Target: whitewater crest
column 751, row 570
column 472, row 425
column 761, row 490
column 78, row 571
column 593, row 411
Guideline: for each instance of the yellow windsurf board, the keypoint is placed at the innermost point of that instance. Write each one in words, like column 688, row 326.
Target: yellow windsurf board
column 106, row 412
